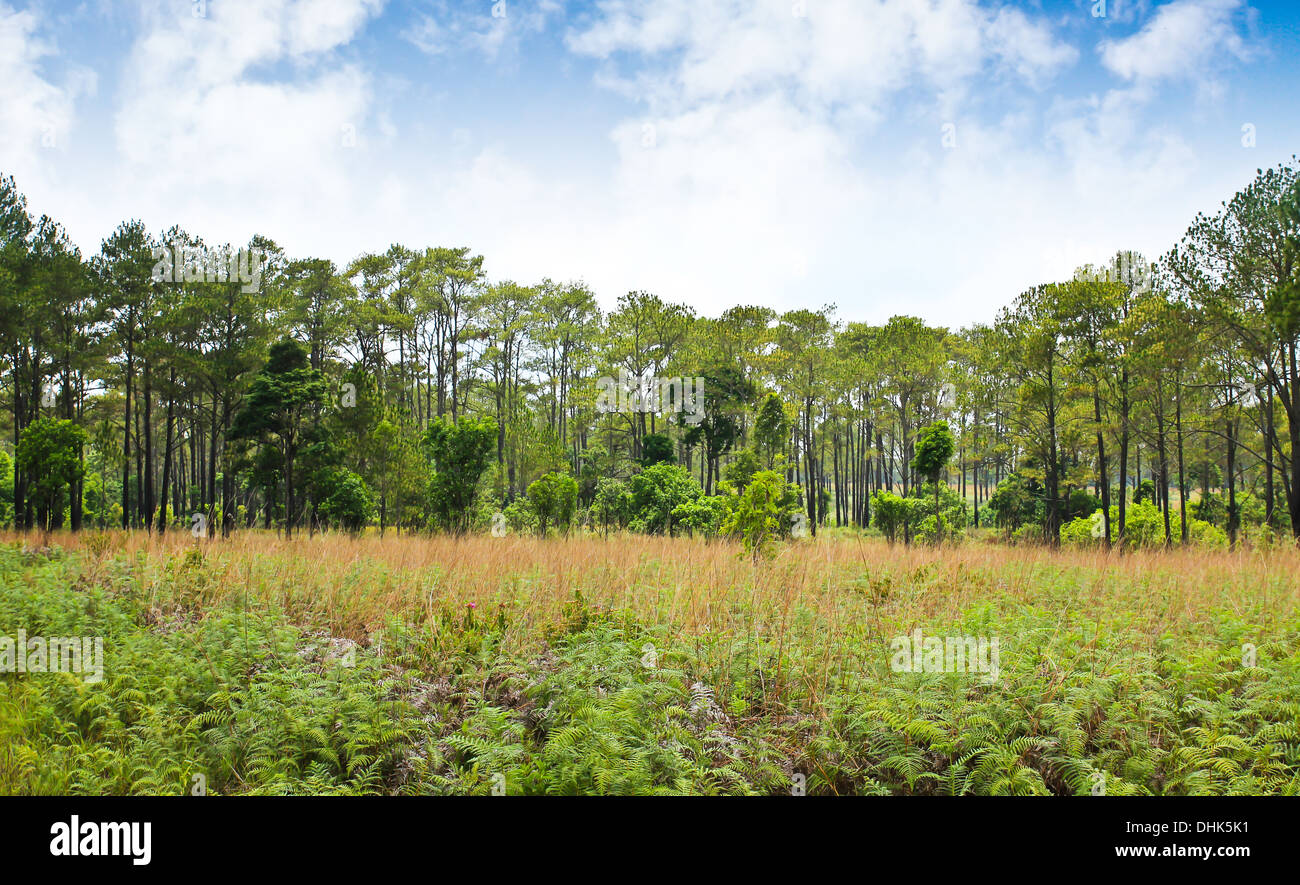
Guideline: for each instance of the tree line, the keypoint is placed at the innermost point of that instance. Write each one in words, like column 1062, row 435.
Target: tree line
column 408, row 390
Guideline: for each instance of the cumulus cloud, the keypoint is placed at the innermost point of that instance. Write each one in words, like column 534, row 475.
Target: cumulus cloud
column 36, row 110
column 1026, row 46
column 780, row 139
column 829, row 51
column 1182, row 40
column 212, row 136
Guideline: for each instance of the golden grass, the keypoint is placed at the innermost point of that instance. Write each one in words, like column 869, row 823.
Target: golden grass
column 691, row 587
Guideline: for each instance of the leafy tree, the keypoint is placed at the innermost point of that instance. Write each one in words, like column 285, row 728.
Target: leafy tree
column 1241, row 267
column 889, row 513
column 771, row 428
column 284, row 397
column 657, row 448
column 764, row 513
column 553, row 498
column 656, row 492
column 612, row 503
column 1031, row 344
column 740, row 472
column 707, row 515
column 49, row 453
column 934, row 448
column 460, row 453
column 1016, row 501
column 347, row 500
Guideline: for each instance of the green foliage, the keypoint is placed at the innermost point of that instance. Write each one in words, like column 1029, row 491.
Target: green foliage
column 934, row 448
column 246, row 701
column 1082, row 531
column 707, row 515
column 1016, row 502
column 740, row 472
column 889, row 513
column 612, row 504
column 931, row 522
column 1080, row 503
column 1144, row 527
column 554, row 497
column 1212, row 509
column 1145, row 492
column 460, row 453
column 346, row 500
column 281, row 407
column 771, row 427
column 6, row 490
column 49, row 451
column 610, row 716
column 255, row 704
column 764, row 513
column 656, row 492
column 656, row 448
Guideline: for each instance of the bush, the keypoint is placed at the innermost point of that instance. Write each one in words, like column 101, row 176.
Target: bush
column 1018, row 501
column 553, row 498
column 612, row 504
column 520, row 517
column 765, row 512
column 706, row 515
column 460, row 454
column 657, row 448
column 656, row 492
column 1211, row 509
column 1079, row 532
column 348, row 501
column 1079, row 504
column 915, row 516
column 953, row 516
column 740, row 472
column 1144, row 527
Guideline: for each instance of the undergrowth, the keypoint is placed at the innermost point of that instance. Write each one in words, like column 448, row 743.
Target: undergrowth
column 210, row 688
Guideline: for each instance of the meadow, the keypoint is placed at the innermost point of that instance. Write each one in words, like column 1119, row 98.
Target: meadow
column 635, row 664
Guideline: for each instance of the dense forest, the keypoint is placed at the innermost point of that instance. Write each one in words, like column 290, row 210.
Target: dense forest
column 167, row 384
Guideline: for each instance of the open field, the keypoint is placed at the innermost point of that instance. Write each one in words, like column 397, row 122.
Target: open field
column 646, row 664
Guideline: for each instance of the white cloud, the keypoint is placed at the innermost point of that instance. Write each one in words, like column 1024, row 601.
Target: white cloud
column 493, row 28
column 1181, row 41
column 36, row 113
column 778, row 163
column 214, row 141
column 1028, row 47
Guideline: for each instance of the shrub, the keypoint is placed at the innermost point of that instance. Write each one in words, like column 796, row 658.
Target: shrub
column 656, row 492
column 706, row 515
column 1079, row 532
column 765, row 512
column 889, row 513
column 612, row 504
column 348, row 501
column 553, row 498
column 741, row 470
column 460, row 453
column 1017, row 501
column 952, row 515
column 1080, row 503
column 657, row 448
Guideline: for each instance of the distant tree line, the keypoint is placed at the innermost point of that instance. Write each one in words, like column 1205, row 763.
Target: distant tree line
column 410, row 391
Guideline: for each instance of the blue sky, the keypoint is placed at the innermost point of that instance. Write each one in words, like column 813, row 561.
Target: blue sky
column 931, row 157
